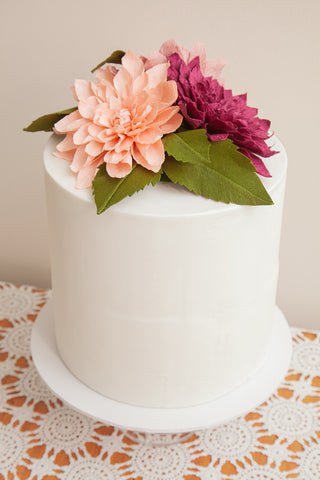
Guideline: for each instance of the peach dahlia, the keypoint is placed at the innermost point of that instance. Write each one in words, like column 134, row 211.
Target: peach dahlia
column 120, row 119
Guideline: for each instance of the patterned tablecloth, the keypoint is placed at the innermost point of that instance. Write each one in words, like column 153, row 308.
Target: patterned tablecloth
column 43, row 439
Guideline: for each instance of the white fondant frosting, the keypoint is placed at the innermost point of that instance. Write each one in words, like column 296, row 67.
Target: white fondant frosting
column 167, row 299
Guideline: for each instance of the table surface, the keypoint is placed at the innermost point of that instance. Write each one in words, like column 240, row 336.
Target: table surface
column 43, row 439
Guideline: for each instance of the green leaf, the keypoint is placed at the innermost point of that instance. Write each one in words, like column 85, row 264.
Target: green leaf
column 115, row 57
column 46, row 122
column 191, row 146
column 108, row 191
column 164, row 178
column 229, row 176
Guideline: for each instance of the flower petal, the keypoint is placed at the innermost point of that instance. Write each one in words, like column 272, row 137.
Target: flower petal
column 106, row 75
column 82, row 89
column 115, row 104
column 140, row 83
column 170, row 46
column 169, row 92
column 149, row 136
column 123, row 83
column 133, row 64
column 103, row 115
column 65, row 155
column 82, row 135
column 124, row 143
column 198, row 50
column 120, row 165
column 114, row 157
column 111, row 141
column 94, row 148
column 154, row 59
column 149, row 156
column 157, row 74
column 66, row 144
column 217, row 137
column 213, row 68
column 79, row 159
column 95, row 130
column 69, row 123
column 88, row 107
column 86, row 176
column 165, row 114
column 172, row 124
column 256, row 162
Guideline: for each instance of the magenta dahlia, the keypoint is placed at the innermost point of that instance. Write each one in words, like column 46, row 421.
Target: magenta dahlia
column 206, row 104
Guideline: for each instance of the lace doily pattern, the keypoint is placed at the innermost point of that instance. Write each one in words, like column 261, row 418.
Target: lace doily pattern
column 43, row 439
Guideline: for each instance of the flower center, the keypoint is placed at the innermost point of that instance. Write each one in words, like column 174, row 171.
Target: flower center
column 122, row 121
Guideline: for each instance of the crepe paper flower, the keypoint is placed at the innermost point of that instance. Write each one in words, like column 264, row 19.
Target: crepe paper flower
column 120, row 118
column 209, row 68
column 206, row 104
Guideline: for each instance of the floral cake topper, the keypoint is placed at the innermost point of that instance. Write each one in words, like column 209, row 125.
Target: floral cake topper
column 167, row 117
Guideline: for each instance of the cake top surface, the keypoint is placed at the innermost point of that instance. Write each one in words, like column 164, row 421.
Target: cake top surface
column 164, row 198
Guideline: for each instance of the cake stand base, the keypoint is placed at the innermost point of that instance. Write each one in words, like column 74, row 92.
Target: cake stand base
column 157, row 420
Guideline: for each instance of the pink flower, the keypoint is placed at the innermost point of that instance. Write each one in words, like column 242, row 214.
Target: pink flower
column 120, row 118
column 205, row 103
column 209, row 68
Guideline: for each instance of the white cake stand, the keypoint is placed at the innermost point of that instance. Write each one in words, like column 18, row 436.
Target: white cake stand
column 156, row 420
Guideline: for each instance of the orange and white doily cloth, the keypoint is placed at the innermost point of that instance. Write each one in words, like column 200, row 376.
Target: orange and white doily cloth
column 43, row 439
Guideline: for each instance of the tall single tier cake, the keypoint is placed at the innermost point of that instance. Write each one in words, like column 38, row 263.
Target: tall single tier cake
column 167, row 299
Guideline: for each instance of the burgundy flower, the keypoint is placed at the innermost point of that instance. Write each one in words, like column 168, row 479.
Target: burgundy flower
column 206, row 104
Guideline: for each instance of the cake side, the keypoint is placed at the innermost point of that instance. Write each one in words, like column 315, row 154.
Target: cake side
column 164, row 300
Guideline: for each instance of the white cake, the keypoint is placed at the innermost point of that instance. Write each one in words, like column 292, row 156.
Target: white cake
column 167, row 299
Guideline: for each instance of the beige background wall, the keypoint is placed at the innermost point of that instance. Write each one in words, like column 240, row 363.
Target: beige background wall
column 272, row 51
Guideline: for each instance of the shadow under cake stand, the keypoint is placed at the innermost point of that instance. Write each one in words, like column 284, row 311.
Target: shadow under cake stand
column 239, row 401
